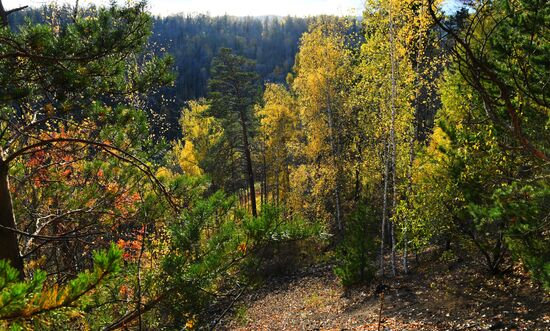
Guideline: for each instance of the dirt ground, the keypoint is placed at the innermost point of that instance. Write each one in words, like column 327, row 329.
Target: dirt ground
column 434, row 296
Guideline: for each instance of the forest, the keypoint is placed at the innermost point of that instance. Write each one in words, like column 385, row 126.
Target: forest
column 193, row 41
column 388, row 172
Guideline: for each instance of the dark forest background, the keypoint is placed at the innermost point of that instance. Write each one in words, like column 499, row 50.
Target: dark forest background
column 193, row 41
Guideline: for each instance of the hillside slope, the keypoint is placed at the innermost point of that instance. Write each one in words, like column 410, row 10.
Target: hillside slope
column 427, row 299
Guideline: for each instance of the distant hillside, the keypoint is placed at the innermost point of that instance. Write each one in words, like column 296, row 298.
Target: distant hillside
column 194, row 40
column 272, row 42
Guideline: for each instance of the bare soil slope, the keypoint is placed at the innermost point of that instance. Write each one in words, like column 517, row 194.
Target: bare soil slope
column 443, row 296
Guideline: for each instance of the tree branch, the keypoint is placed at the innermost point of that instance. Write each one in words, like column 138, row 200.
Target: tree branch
column 113, row 150
column 478, row 67
column 5, row 13
column 131, row 316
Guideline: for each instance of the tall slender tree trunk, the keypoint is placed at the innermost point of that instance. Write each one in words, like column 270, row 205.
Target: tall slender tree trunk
column 405, row 250
column 277, row 188
column 384, row 206
column 249, row 168
column 266, row 186
column 409, row 192
column 334, row 146
column 262, row 189
column 392, row 135
column 357, row 188
column 264, row 166
column 9, row 246
column 246, row 197
column 392, row 234
column 287, row 183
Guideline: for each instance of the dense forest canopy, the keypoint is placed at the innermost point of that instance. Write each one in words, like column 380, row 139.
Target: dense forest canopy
column 155, row 172
column 272, row 42
column 194, row 41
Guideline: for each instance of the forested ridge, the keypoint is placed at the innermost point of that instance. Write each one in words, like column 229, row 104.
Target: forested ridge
column 205, row 172
column 193, row 41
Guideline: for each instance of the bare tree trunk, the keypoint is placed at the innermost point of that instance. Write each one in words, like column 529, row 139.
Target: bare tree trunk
column 277, row 174
column 409, row 192
column 384, row 207
column 335, row 155
column 357, row 186
column 249, row 168
column 266, row 186
column 246, row 196
column 287, row 183
column 392, row 232
column 9, row 246
column 263, row 194
column 392, row 136
column 405, row 251
column 262, row 190
column 338, row 212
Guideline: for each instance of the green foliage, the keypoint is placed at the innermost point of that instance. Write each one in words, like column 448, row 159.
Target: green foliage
column 355, row 256
column 347, row 129
column 233, row 91
column 211, row 243
column 527, row 206
column 467, row 186
column 233, row 87
column 502, row 54
column 272, row 225
column 81, row 161
column 34, row 303
column 70, row 58
column 204, row 245
column 506, row 52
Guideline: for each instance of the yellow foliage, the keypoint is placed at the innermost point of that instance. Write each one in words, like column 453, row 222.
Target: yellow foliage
column 200, row 132
column 163, row 172
column 190, row 324
column 187, row 158
column 279, row 133
column 323, row 75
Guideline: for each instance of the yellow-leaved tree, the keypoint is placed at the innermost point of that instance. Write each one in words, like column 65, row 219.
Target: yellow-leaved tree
column 321, row 83
column 200, row 133
column 279, row 123
column 393, row 89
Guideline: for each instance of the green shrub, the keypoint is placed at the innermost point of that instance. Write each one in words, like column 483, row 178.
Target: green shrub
column 357, row 252
column 34, row 304
column 212, row 244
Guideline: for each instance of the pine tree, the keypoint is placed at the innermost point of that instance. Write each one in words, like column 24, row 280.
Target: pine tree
column 233, row 93
column 51, row 75
column 22, row 301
